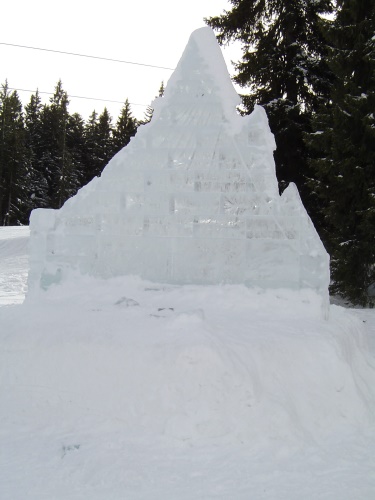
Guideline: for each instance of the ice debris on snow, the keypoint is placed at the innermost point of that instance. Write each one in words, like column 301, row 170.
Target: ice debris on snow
column 193, row 199
column 126, row 302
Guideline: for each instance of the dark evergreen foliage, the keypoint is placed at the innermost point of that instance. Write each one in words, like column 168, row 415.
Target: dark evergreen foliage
column 126, row 128
column 55, row 119
column 47, row 154
column 37, row 185
column 92, row 151
column 12, row 158
column 99, row 145
column 344, row 152
column 75, row 155
column 105, row 131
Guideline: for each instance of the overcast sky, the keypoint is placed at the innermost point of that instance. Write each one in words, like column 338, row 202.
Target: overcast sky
column 146, row 31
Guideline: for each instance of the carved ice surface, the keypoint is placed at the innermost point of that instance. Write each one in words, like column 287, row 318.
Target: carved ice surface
column 192, row 199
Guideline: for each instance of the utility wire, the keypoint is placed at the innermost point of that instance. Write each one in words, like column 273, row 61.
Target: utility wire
column 85, row 55
column 78, row 97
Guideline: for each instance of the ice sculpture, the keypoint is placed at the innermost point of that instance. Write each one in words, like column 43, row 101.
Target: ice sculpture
column 192, row 199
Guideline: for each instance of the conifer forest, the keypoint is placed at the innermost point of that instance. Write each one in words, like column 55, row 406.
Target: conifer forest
column 309, row 63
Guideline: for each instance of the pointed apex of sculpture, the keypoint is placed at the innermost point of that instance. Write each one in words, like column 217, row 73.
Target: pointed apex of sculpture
column 201, row 78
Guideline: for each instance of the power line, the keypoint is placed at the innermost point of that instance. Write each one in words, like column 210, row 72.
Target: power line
column 79, row 97
column 85, row 55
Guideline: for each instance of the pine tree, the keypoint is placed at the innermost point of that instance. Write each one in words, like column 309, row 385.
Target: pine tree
column 12, row 158
column 105, row 138
column 99, row 148
column 75, row 145
column 93, row 163
column 283, row 69
column 344, row 141
column 55, row 158
column 37, row 185
column 125, row 129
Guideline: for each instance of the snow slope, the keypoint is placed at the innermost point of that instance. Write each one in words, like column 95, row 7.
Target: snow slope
column 14, row 264
column 122, row 389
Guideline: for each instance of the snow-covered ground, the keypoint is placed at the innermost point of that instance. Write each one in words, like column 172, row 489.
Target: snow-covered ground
column 13, row 264
column 123, row 389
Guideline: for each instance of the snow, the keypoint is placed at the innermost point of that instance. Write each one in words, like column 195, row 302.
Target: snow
column 124, row 388
column 14, row 264
column 193, row 199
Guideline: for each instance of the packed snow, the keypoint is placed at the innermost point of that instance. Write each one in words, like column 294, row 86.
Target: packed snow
column 14, row 264
column 123, row 388
column 193, row 199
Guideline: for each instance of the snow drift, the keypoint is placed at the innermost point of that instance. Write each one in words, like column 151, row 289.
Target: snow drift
column 189, row 363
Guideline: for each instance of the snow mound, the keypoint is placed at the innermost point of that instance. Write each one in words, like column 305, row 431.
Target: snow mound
column 193, row 198
column 191, row 363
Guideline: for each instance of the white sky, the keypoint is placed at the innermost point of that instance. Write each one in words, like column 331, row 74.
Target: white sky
column 140, row 31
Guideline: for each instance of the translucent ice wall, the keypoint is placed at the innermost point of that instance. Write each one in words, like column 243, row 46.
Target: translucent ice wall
column 192, row 199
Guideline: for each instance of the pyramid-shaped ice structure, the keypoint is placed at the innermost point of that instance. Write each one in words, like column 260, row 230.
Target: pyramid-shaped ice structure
column 192, row 199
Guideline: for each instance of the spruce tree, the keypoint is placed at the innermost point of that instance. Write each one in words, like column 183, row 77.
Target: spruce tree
column 343, row 141
column 282, row 68
column 93, row 163
column 99, row 148
column 55, row 159
column 12, row 158
column 75, row 145
column 125, row 129
column 105, row 138
column 37, row 185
